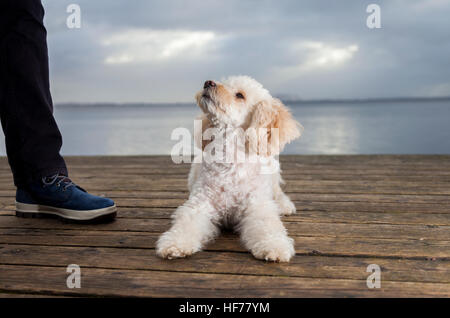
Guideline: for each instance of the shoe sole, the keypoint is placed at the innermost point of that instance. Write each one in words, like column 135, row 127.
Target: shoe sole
column 25, row 210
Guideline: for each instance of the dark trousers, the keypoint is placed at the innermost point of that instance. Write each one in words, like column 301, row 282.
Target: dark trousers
column 33, row 140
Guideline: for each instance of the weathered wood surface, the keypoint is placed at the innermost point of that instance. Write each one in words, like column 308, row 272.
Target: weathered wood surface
column 353, row 211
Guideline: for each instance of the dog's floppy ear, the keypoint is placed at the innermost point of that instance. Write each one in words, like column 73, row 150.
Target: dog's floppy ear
column 281, row 127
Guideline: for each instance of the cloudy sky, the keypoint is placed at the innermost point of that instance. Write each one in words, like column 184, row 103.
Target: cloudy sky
column 162, row 51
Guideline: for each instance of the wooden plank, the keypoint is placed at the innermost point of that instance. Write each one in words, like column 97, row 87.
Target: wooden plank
column 180, row 185
column 329, row 246
column 305, row 204
column 359, row 217
column 226, row 262
column 166, row 184
column 294, row 228
column 313, row 216
column 151, row 181
column 21, row 295
column 313, row 197
column 302, row 206
column 141, row 283
column 390, row 210
column 139, row 179
column 298, row 186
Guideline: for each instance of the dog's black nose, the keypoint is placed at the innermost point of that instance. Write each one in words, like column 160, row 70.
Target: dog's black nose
column 209, row 84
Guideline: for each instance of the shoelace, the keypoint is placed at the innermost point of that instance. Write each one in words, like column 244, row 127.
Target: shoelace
column 59, row 179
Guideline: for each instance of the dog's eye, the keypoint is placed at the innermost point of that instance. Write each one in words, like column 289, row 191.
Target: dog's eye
column 239, row 95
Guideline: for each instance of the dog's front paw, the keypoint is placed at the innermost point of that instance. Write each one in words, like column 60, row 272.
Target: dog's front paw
column 275, row 250
column 172, row 252
column 170, row 247
column 286, row 206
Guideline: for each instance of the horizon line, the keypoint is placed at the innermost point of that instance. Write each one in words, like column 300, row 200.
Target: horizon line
column 285, row 100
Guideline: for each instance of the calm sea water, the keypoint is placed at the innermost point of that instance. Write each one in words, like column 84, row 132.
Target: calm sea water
column 333, row 128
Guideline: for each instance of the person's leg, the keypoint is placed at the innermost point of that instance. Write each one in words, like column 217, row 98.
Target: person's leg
column 33, row 140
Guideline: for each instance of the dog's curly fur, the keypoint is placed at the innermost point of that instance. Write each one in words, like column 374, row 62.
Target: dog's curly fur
column 237, row 194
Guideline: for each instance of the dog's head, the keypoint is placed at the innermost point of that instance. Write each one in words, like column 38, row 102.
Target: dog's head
column 242, row 102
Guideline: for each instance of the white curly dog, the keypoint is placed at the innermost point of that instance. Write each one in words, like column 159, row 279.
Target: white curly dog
column 241, row 194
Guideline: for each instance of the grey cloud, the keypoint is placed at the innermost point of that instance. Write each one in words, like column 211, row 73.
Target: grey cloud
column 409, row 56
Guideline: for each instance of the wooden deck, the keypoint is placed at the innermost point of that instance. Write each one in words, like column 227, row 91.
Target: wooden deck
column 353, row 211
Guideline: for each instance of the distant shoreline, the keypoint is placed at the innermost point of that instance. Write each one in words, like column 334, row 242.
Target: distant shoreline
column 287, row 101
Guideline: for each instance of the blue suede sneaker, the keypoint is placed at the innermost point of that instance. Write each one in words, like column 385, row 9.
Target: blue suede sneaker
column 59, row 196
